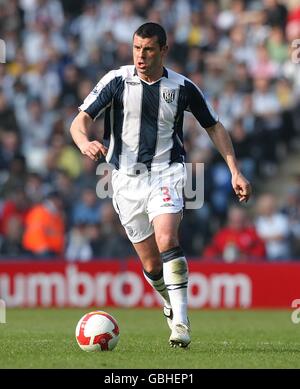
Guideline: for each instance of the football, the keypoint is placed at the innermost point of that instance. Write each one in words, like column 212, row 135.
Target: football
column 97, row 331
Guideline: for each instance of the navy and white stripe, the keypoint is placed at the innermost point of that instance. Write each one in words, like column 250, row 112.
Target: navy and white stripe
column 144, row 121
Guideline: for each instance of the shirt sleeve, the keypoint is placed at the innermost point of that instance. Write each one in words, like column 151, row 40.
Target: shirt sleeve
column 101, row 96
column 199, row 106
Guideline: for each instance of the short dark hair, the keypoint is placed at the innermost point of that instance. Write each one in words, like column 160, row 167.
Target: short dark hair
column 148, row 30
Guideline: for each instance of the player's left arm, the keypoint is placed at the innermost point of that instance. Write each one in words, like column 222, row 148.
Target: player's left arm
column 208, row 119
column 223, row 143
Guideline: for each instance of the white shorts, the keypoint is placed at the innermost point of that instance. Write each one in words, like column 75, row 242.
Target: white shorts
column 138, row 199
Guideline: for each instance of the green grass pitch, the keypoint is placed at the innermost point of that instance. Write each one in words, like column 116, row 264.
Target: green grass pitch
column 44, row 338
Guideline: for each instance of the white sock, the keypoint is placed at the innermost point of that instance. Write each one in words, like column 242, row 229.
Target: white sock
column 157, row 282
column 176, row 279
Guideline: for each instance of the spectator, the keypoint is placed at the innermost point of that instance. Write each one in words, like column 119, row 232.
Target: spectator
column 45, row 228
column 291, row 210
column 87, row 209
column 276, row 13
column 262, row 65
column 238, row 241
column 11, row 245
column 15, row 207
column 62, row 156
column 112, row 241
column 64, row 184
column 78, row 246
column 9, row 148
column 229, row 105
column 8, row 120
column 16, row 177
column 286, row 100
column 242, row 78
column 35, row 188
column 36, row 130
column 266, row 108
column 277, row 46
column 87, row 177
column 126, row 23
column 242, row 143
column 273, row 227
column 293, row 21
column 44, row 84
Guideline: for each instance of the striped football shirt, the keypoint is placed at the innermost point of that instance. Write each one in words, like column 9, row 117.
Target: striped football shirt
column 144, row 121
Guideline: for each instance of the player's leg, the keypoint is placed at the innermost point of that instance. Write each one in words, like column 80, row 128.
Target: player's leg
column 175, row 269
column 128, row 200
column 149, row 255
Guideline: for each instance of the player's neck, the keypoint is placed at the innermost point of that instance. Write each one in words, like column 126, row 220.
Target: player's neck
column 151, row 78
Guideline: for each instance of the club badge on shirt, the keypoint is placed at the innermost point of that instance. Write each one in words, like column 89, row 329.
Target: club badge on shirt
column 169, row 95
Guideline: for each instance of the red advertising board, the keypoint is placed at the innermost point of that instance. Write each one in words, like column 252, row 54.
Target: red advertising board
column 121, row 283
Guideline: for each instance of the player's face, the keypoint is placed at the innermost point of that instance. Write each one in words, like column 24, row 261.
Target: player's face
column 148, row 56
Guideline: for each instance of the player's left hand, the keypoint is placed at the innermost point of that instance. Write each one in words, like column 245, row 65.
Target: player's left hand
column 241, row 187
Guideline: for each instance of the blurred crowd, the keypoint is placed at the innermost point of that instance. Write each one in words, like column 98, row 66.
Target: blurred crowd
column 239, row 52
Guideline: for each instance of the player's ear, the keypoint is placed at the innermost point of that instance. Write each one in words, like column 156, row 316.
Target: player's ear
column 165, row 49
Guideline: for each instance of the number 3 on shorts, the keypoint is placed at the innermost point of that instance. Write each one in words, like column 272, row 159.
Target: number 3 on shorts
column 166, row 194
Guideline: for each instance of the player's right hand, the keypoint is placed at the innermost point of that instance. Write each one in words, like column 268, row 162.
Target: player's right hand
column 93, row 150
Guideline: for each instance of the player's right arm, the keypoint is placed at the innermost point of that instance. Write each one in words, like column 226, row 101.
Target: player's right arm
column 94, row 104
column 79, row 132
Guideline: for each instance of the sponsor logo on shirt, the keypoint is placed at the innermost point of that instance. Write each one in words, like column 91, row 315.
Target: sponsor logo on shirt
column 132, row 83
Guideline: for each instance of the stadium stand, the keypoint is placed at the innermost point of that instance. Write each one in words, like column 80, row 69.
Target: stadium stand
column 238, row 52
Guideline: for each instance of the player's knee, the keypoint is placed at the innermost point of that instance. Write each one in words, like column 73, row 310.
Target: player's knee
column 166, row 242
column 153, row 268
